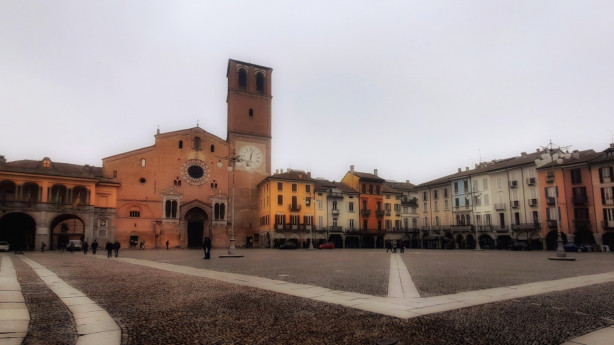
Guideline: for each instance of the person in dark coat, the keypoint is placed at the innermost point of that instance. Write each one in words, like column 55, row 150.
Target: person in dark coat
column 109, row 248
column 43, row 245
column 166, row 244
column 116, row 247
column 94, row 247
column 207, row 248
column 85, row 246
column 388, row 246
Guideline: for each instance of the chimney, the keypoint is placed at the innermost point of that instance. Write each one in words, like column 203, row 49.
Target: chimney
column 460, row 169
column 309, row 174
column 375, row 172
column 2, row 160
column 352, row 169
column 466, row 168
column 522, row 154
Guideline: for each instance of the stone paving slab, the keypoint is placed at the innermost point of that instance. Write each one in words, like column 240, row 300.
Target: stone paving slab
column 94, row 324
column 14, row 314
column 604, row 336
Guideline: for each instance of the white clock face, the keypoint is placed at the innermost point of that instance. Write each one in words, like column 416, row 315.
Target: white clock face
column 251, row 156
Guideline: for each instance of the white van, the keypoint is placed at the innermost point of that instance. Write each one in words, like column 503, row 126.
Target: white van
column 76, row 243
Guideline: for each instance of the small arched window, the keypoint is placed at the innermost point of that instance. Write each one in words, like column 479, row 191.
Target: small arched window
column 260, row 82
column 212, row 148
column 142, row 162
column 180, row 144
column 242, row 78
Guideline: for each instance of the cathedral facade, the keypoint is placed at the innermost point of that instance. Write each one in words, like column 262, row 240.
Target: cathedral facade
column 181, row 189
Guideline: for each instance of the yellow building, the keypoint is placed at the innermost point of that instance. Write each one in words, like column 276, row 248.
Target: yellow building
column 286, row 208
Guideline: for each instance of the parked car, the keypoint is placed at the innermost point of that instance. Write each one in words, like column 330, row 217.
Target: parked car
column 288, row 245
column 76, row 243
column 572, row 247
column 327, row 245
column 520, row 246
column 4, row 246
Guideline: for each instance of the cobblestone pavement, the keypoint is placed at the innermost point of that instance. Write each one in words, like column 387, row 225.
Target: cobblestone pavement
column 159, row 307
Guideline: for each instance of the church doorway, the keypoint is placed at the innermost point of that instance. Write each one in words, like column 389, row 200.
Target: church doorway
column 196, row 220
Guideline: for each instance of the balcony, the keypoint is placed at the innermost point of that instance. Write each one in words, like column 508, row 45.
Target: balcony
column 550, row 200
column 526, row 226
column 582, row 224
column 294, row 208
column 459, row 228
column 334, row 195
column 533, row 202
column 579, row 200
column 531, row 181
column 607, row 225
column 485, row 228
column 500, row 206
column 502, row 228
column 388, row 213
column 551, row 223
column 550, row 178
column 514, row 184
column 335, row 229
column 334, row 212
column 365, row 212
column 515, row 204
column 380, row 213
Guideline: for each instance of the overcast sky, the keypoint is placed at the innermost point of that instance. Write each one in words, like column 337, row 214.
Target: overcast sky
column 415, row 89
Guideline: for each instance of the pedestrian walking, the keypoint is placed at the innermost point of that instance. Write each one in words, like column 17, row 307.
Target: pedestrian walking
column 43, row 245
column 116, row 247
column 388, row 246
column 142, row 245
column 401, row 246
column 94, row 247
column 85, row 247
column 109, row 248
column 166, row 244
column 207, row 248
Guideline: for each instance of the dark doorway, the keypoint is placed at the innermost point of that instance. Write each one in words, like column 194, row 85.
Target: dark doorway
column 19, row 230
column 196, row 219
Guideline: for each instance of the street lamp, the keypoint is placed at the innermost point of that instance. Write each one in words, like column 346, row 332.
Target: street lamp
column 474, row 195
column 553, row 154
column 232, row 163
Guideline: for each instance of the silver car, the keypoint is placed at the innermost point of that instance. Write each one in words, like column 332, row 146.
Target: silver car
column 4, row 246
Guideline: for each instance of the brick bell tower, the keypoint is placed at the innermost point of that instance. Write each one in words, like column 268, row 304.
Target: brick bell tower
column 249, row 137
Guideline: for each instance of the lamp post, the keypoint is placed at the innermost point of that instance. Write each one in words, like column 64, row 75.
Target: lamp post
column 553, row 154
column 232, row 163
column 474, row 195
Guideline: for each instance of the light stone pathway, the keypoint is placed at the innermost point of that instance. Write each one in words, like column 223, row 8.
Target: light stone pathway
column 94, row 325
column 400, row 284
column 14, row 315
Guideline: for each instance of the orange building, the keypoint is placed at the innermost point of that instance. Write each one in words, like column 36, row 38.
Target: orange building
column 51, row 202
column 287, row 209
column 568, row 191
column 603, row 190
column 371, row 189
column 180, row 189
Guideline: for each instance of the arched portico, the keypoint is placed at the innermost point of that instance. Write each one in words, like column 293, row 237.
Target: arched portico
column 64, row 228
column 19, row 229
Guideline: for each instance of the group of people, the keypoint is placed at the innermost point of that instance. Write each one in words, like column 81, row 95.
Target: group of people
column 110, row 247
column 393, row 245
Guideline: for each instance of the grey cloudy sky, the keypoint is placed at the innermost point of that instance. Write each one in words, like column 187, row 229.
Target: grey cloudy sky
column 414, row 89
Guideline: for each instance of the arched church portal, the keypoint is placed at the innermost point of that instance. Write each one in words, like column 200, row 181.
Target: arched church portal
column 197, row 224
